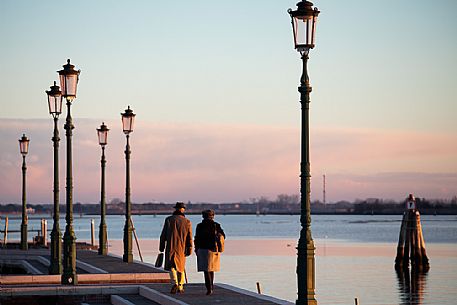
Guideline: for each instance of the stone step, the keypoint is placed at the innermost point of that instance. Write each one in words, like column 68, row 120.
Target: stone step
column 129, row 299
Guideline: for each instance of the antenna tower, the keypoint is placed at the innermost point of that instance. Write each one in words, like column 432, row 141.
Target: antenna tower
column 323, row 190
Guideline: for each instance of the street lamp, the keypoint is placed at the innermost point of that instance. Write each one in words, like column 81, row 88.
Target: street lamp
column 128, row 118
column 55, row 109
column 68, row 83
column 102, row 133
column 24, row 148
column 304, row 25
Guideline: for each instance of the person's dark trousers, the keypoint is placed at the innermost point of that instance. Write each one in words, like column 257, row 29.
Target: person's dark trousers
column 209, row 281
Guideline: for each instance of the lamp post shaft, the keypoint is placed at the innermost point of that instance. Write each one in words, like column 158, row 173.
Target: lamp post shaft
column 56, row 236
column 69, row 239
column 128, row 256
column 24, row 245
column 306, row 248
column 102, row 244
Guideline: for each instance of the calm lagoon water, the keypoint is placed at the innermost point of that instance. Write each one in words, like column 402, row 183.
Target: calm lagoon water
column 340, row 276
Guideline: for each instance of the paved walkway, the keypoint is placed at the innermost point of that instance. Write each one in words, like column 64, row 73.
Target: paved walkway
column 104, row 280
column 223, row 294
column 148, row 294
column 114, row 264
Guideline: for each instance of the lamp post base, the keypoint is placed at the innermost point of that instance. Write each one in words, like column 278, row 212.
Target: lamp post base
column 128, row 255
column 306, row 302
column 102, row 247
column 24, row 245
column 56, row 252
column 69, row 276
column 306, row 274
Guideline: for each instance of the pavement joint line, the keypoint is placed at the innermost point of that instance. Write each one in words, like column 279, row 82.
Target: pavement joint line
column 118, row 300
column 159, row 297
column 255, row 295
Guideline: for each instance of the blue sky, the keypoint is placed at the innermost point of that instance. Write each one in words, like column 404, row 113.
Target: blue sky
column 382, row 69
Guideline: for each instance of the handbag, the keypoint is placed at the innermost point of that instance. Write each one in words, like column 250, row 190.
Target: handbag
column 159, row 260
column 219, row 240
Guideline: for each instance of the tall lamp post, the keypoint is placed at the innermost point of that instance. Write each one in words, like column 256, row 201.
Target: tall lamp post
column 55, row 109
column 128, row 118
column 24, row 148
column 68, row 83
column 102, row 133
column 304, row 25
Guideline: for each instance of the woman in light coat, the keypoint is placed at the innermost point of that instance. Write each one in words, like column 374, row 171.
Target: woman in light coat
column 208, row 260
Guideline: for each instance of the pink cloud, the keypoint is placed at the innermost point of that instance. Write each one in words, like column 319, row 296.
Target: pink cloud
column 223, row 163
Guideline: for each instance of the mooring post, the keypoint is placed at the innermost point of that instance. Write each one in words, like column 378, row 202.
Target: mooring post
column 5, row 232
column 412, row 236
column 421, row 244
column 401, row 244
column 411, row 245
column 259, row 289
column 45, row 232
column 92, row 232
column 406, row 254
column 416, row 234
column 42, row 227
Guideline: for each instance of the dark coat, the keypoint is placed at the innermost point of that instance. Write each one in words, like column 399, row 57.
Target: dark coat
column 205, row 234
column 205, row 245
column 176, row 240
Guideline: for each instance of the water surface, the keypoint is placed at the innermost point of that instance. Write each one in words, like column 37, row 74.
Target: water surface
column 354, row 257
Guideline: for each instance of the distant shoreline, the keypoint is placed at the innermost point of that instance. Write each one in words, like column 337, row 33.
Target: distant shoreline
column 161, row 213
column 260, row 207
column 149, row 213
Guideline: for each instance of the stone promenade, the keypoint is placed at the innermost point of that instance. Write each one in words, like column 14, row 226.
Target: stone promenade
column 105, row 280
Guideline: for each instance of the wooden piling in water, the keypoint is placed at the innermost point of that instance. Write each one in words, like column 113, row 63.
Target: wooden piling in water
column 259, row 289
column 92, row 232
column 5, row 232
column 411, row 245
column 44, row 232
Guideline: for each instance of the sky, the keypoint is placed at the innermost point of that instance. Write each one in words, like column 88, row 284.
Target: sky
column 214, row 86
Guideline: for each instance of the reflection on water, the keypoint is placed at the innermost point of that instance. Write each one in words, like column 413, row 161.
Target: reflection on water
column 411, row 286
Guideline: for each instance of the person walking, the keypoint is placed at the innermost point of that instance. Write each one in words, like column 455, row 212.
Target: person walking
column 176, row 240
column 208, row 259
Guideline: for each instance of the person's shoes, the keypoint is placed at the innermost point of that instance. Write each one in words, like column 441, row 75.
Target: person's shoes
column 174, row 289
column 181, row 289
column 209, row 292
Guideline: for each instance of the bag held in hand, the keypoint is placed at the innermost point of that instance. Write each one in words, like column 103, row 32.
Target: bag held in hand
column 159, row 260
column 220, row 241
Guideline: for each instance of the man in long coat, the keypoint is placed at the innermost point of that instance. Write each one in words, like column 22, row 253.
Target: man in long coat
column 176, row 240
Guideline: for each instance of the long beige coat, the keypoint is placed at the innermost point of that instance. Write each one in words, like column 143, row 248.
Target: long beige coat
column 176, row 239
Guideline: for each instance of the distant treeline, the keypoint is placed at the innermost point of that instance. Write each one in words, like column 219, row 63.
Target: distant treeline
column 283, row 204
